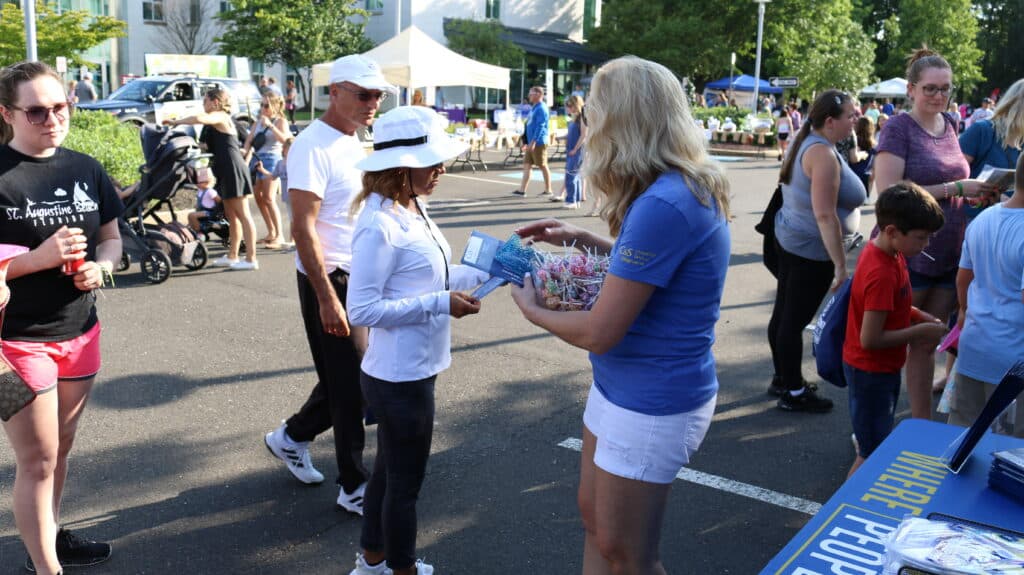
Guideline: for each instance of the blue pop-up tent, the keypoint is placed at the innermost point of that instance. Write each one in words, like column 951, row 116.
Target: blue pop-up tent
column 742, row 83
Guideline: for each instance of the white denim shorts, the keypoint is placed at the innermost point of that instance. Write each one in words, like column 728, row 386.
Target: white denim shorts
column 650, row 448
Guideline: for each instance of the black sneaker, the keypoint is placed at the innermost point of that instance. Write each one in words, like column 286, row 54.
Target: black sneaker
column 775, row 387
column 74, row 551
column 808, row 401
column 519, row 193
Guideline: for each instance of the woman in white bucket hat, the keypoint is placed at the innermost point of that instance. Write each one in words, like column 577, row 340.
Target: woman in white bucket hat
column 403, row 287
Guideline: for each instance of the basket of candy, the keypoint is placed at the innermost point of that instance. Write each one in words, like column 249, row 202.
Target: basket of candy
column 570, row 281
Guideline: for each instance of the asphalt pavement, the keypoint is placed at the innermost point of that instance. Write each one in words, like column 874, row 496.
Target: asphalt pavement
column 171, row 468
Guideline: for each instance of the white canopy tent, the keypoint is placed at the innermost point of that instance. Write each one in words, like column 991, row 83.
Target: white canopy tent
column 413, row 59
column 892, row 88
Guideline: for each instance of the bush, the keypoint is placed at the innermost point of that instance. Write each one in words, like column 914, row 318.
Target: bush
column 115, row 146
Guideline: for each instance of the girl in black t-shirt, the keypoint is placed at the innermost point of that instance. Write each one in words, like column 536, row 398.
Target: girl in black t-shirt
column 62, row 206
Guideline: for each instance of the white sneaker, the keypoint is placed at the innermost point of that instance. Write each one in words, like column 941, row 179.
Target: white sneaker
column 571, row 206
column 223, row 262
column 294, row 454
column 243, row 265
column 352, row 502
column 363, row 568
column 423, row 569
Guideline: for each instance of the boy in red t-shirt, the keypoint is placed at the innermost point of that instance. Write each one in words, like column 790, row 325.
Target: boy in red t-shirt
column 881, row 321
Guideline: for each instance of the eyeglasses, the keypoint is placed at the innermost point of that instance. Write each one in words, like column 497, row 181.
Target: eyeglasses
column 366, row 96
column 39, row 114
column 931, row 90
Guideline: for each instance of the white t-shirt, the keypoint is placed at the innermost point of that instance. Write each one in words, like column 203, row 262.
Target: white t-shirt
column 322, row 161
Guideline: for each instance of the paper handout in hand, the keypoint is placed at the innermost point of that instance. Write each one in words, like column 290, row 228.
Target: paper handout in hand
column 1001, row 178
column 509, row 260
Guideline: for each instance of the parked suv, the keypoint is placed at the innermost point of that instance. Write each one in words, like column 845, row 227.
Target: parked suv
column 154, row 99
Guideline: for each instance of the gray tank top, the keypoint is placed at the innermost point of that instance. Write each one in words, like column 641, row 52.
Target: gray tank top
column 271, row 145
column 795, row 226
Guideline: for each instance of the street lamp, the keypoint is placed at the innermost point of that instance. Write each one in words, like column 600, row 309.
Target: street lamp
column 757, row 64
column 28, row 7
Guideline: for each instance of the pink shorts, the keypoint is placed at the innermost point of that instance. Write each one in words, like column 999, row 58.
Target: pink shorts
column 42, row 364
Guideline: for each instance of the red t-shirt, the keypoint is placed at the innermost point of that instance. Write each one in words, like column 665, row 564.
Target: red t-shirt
column 881, row 283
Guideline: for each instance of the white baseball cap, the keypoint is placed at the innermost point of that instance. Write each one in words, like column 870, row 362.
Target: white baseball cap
column 410, row 137
column 361, row 71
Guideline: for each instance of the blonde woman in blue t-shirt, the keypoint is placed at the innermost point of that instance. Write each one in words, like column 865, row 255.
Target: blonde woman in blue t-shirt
column 650, row 332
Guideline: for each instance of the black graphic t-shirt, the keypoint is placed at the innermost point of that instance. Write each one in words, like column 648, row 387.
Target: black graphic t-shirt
column 37, row 197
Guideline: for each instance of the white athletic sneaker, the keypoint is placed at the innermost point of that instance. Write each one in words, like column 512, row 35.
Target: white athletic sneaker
column 244, row 265
column 352, row 502
column 363, row 568
column 294, row 454
column 223, row 262
column 423, row 569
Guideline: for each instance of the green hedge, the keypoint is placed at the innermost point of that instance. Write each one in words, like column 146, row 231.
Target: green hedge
column 115, row 146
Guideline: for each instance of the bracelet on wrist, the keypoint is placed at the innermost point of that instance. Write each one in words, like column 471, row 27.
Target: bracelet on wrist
column 945, row 190
column 959, row 189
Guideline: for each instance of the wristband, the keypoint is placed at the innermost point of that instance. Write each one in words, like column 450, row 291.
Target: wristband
column 959, row 189
column 106, row 275
column 945, row 190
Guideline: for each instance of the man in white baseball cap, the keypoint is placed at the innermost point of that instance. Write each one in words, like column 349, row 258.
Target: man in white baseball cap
column 322, row 182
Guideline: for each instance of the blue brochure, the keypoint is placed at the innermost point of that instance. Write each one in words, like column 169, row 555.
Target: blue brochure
column 509, row 260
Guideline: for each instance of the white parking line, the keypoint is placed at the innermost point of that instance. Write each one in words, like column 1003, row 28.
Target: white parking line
column 729, row 486
column 477, row 179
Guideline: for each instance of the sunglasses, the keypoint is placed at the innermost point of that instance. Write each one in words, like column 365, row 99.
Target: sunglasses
column 39, row 114
column 265, row 106
column 366, row 96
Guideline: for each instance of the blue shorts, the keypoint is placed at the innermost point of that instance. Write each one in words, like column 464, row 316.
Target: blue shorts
column 269, row 163
column 873, row 398
column 919, row 281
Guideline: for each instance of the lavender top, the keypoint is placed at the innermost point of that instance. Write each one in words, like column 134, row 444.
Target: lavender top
column 930, row 160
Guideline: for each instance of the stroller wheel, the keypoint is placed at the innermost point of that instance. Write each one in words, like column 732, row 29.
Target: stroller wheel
column 156, row 266
column 199, row 257
column 125, row 262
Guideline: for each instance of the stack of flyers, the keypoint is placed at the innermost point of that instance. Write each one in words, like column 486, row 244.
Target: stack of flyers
column 1007, row 473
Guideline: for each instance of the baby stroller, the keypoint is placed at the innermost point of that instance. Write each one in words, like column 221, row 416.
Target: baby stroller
column 172, row 157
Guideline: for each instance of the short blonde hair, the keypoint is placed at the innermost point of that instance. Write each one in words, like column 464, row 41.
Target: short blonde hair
column 629, row 146
column 1008, row 119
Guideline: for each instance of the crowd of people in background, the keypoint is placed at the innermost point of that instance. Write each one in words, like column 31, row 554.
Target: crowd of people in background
column 373, row 272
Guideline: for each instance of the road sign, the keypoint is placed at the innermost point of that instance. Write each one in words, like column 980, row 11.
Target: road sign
column 784, row 82
column 62, row 65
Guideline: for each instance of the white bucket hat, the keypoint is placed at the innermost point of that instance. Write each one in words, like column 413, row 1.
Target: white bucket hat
column 410, row 137
column 361, row 71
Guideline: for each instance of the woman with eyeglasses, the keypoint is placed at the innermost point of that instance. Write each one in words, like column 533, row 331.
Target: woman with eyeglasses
column 922, row 146
column 404, row 287
column 267, row 137
column 63, row 207
column 820, row 214
column 221, row 139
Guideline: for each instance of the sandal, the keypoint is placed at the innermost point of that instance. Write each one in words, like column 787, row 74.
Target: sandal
column 274, row 245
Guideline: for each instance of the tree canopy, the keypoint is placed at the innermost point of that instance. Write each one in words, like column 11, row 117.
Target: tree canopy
column 298, row 33
column 68, row 34
column 482, row 41
column 826, row 43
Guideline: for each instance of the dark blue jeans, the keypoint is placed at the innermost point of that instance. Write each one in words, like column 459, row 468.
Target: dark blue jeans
column 405, row 428
column 873, row 398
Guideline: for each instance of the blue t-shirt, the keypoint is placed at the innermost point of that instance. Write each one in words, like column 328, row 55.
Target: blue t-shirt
column 664, row 363
column 993, row 336
column 981, row 143
column 537, row 125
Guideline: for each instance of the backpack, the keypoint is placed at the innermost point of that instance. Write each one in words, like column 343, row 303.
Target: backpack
column 830, row 334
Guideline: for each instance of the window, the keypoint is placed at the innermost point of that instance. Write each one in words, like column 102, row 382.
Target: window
column 195, row 12
column 61, row 6
column 225, row 6
column 493, row 9
column 153, row 10
column 375, row 5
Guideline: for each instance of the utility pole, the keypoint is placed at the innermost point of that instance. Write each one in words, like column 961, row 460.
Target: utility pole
column 28, row 7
